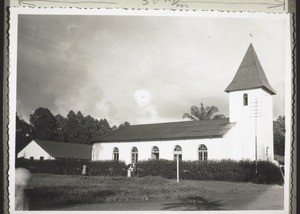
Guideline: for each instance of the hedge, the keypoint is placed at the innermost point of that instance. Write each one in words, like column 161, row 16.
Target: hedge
column 73, row 167
column 225, row 170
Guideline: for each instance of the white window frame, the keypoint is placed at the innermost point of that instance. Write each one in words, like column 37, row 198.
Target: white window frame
column 155, row 153
column 116, row 154
column 202, row 153
column 134, row 155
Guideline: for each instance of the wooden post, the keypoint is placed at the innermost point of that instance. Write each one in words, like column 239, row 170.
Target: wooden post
column 177, row 168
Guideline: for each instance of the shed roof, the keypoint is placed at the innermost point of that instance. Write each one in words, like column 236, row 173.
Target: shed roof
column 66, row 150
column 169, row 131
column 250, row 74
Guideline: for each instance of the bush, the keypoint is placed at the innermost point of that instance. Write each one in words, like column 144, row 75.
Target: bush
column 225, row 170
column 164, row 168
column 73, row 167
column 108, row 168
column 268, row 173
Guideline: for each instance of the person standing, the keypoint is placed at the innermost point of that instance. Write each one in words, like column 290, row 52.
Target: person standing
column 23, row 177
column 84, row 170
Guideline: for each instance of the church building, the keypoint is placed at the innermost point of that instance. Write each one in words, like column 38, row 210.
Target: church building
column 246, row 135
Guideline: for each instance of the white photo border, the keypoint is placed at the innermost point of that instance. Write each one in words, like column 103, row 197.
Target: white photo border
column 12, row 78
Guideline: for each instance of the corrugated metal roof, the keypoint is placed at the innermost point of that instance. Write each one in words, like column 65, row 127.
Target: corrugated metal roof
column 169, row 131
column 250, row 74
column 66, row 150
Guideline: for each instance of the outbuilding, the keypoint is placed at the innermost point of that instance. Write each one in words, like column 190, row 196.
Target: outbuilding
column 50, row 150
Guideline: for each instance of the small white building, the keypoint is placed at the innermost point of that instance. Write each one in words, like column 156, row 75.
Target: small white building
column 246, row 134
column 50, row 150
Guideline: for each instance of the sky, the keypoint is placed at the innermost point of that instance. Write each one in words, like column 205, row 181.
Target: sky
column 99, row 65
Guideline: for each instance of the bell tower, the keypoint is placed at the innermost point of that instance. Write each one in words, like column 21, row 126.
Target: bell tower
column 251, row 108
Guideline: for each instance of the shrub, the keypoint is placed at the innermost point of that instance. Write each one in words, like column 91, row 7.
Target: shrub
column 225, row 170
column 108, row 168
column 73, row 167
column 268, row 173
column 164, row 168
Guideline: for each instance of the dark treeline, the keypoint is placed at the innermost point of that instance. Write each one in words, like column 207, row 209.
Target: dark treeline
column 75, row 128
column 279, row 135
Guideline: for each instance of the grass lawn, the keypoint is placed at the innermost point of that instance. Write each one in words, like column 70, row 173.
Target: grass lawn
column 48, row 190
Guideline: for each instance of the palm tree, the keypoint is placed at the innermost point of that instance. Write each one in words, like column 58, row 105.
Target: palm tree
column 203, row 113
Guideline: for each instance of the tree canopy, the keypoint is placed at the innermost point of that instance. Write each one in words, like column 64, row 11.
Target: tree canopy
column 74, row 128
column 44, row 125
column 124, row 124
column 279, row 135
column 203, row 113
column 23, row 134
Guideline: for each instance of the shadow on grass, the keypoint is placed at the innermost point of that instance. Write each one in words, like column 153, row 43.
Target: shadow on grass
column 43, row 199
column 194, row 203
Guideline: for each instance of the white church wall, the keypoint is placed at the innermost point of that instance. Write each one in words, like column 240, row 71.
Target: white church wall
column 266, row 129
column 245, row 118
column 215, row 146
column 35, row 151
column 231, row 145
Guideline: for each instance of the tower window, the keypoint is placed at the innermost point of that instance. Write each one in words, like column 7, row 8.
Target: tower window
column 245, row 99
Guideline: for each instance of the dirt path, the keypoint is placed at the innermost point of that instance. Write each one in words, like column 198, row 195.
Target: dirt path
column 271, row 199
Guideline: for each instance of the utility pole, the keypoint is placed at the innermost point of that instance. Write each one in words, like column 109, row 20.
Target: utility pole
column 177, row 168
column 255, row 144
column 255, row 111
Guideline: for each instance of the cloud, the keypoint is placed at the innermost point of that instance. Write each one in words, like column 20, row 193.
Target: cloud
column 95, row 64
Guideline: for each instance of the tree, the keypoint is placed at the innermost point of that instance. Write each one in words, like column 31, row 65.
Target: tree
column 103, row 127
column 44, row 125
column 279, row 135
column 124, row 124
column 23, row 134
column 203, row 113
column 71, row 128
column 75, row 128
column 114, row 127
column 61, row 124
column 80, row 129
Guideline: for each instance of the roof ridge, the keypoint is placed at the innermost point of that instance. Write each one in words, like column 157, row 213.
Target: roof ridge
column 60, row 142
column 184, row 121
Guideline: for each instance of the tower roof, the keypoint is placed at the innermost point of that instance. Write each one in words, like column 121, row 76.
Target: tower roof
column 250, row 74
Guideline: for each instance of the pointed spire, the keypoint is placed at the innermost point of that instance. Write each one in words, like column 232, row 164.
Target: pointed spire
column 250, row 74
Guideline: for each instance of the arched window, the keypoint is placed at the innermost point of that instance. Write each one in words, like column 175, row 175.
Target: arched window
column 116, row 154
column 134, row 155
column 177, row 153
column 155, row 153
column 245, row 99
column 202, row 152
